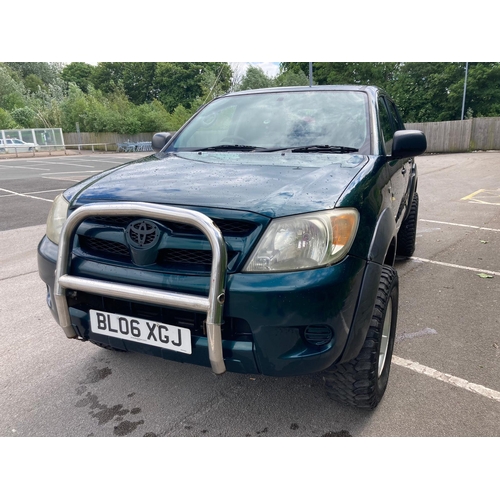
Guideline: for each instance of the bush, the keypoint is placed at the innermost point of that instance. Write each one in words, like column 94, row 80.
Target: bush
column 6, row 120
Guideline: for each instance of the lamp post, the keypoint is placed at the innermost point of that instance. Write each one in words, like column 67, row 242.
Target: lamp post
column 465, row 88
column 310, row 74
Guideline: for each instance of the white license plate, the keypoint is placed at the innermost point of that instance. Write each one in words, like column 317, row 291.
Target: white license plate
column 141, row 330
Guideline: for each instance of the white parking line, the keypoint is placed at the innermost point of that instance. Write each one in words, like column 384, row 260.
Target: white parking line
column 25, row 195
column 69, row 164
column 461, row 225
column 456, row 266
column 24, row 168
column 450, row 379
column 69, row 179
column 75, row 172
column 33, row 192
column 103, row 161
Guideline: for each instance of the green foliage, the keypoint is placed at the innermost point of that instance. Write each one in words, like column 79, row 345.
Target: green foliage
column 186, row 83
column 423, row 91
column 345, row 73
column 33, row 83
column 180, row 116
column 131, row 97
column 6, row 120
column 154, row 117
column 24, row 117
column 78, row 73
column 137, row 79
column 48, row 73
column 292, row 78
column 255, row 78
column 483, row 91
column 11, row 91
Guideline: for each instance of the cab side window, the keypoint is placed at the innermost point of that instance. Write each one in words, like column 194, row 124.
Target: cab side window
column 395, row 116
column 386, row 126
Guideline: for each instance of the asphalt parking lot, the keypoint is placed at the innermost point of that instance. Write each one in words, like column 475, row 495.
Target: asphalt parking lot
column 444, row 379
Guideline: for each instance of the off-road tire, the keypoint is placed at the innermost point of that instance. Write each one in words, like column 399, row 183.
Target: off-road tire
column 408, row 231
column 361, row 382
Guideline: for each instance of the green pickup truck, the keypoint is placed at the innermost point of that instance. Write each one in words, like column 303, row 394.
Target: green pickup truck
column 259, row 238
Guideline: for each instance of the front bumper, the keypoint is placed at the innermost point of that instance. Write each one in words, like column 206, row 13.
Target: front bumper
column 265, row 320
column 275, row 309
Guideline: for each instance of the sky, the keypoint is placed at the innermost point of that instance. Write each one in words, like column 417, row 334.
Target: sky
column 223, row 31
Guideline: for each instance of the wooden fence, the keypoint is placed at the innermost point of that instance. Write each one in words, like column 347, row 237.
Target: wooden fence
column 111, row 139
column 460, row 136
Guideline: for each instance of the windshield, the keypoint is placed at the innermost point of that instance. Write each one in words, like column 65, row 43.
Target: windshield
column 280, row 120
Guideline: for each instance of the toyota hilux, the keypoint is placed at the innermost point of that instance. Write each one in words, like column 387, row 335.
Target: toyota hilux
column 260, row 238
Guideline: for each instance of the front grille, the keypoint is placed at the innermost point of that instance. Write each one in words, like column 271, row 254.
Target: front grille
column 180, row 256
column 103, row 247
column 179, row 248
column 167, row 257
column 227, row 227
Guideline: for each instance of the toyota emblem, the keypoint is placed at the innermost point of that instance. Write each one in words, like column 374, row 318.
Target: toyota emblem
column 143, row 234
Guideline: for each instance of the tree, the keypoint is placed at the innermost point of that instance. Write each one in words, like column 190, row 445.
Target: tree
column 255, row 78
column 483, row 91
column 292, row 79
column 24, row 117
column 345, row 73
column 422, row 91
column 11, row 91
column 48, row 73
column 79, row 73
column 183, row 83
column 6, row 120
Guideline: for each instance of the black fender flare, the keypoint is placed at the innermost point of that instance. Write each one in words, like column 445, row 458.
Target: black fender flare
column 385, row 233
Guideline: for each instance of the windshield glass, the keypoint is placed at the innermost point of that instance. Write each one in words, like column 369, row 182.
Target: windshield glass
column 280, row 120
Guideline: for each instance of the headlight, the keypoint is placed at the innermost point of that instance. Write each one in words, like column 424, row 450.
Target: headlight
column 57, row 216
column 305, row 241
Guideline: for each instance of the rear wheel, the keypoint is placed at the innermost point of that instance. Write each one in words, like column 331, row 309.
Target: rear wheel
column 362, row 381
column 408, row 231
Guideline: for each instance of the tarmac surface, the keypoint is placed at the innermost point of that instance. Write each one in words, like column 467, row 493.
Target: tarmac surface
column 444, row 379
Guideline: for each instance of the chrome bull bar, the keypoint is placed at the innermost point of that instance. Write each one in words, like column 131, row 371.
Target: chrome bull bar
column 211, row 305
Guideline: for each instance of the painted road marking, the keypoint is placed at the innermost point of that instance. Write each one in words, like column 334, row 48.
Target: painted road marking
column 461, row 225
column 69, row 179
column 456, row 266
column 34, row 192
column 25, row 195
column 470, row 196
column 25, row 168
column 66, row 163
column 473, row 197
column 77, row 172
column 450, row 379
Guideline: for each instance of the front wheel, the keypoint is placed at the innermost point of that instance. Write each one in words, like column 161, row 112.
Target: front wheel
column 362, row 381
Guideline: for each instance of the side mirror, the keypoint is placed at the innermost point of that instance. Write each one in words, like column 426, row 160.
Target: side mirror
column 160, row 140
column 408, row 143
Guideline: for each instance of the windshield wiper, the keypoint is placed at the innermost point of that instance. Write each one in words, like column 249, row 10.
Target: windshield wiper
column 318, row 148
column 228, row 147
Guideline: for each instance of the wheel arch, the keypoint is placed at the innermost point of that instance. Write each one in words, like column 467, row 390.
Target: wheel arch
column 383, row 245
column 382, row 252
